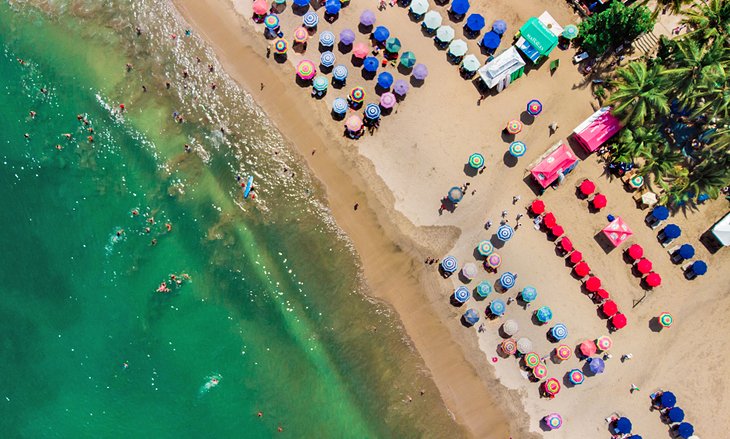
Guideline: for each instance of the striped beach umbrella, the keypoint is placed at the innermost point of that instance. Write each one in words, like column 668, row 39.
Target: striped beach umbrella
column 476, row 160
column 507, row 280
column 508, row 346
column 497, row 307
column 458, row 48
column 462, row 294
column 445, row 34
column 271, row 21
column 306, row 69
column 553, row 421
column 469, row 270
column 354, row 123
column 471, row 316
column 387, row 100
column 529, row 293
column 392, row 45
column 576, row 377
column 563, row 352
column 470, row 63
column 339, row 72
column 280, row 46
column 532, row 359
column 327, row 59
column 559, row 331
column 455, row 194
column 540, row 371
column 372, row 112
column 524, row 345
column 570, row 31
column 552, row 386
column 339, row 106
column 300, row 35
column 327, row 39
column 604, row 343
column 310, row 19
column 320, row 83
column 534, row 107
column 544, row 314
column 517, row 149
column 357, row 95
column 494, row 261
column 484, row 288
column 449, row 264
column 636, row 181
column 505, row 232
column 665, row 319
column 419, row 7
column 485, row 248
column 408, row 59
column 514, row 126
column 510, row 327
column 432, row 20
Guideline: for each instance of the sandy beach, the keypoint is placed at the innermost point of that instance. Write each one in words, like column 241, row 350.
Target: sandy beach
column 398, row 177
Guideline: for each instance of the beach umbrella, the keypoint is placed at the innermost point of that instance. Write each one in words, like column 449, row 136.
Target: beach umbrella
column 557, row 230
column 577, row 257
column 507, row 280
column 559, row 331
column 494, row 261
column 475, row 22
column 354, row 123
column 392, row 45
column 604, row 343
column 505, row 232
column 455, row 194
column 593, row 284
column 339, row 106
column 327, row 39
column 514, row 126
column 401, row 87
column 644, row 266
column 566, row 244
column 327, row 59
column 685, row 430
column 649, row 199
column 537, row 207
column 271, row 21
column 660, row 213
column 636, row 181
column 499, row 27
column 623, row 425
column 320, row 83
column 509, row 346
column 672, row 231
column 510, row 327
column 599, row 201
column 462, row 294
column 667, row 399
column 549, row 219
column 360, row 50
column 484, row 288
column 534, row 107
column 280, row 46
column 471, row 316
column 432, row 20
column 563, row 352
column 372, row 111
column 458, row 48
column 445, row 34
column 306, row 69
column 596, row 365
column 300, row 35
column 588, row 348
column 485, row 248
column 553, row 421
column 675, row 414
column 476, row 160
column 419, row 7
column 552, row 386
column 381, row 33
column 529, row 294
column 497, row 307
column 357, row 94
column 387, row 100
column 449, row 264
column 460, row 7
column 469, row 270
column 385, row 80
column 653, row 279
column 524, row 345
column 602, row 294
column 491, row 40
column 699, row 268
column 420, row 72
column 581, row 269
column 544, row 314
column 665, row 319
column 570, row 31
column 686, row 251
column 408, row 59
column 636, row 251
column 618, row 321
column 609, row 308
column 310, row 19
column 260, row 7
column 367, row 18
column 517, row 149
column 301, row 3
column 576, row 377
column 540, row 371
column 347, row 37
column 370, row 64
column 339, row 72
column 332, row 7
column 470, row 63
column 280, row 2
column 531, row 360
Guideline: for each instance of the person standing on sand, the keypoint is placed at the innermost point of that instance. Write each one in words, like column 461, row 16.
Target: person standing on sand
column 268, row 51
column 355, row 206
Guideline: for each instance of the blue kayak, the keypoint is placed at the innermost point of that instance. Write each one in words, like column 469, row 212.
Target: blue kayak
column 249, row 184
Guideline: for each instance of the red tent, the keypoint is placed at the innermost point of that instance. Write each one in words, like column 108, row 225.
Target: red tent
column 636, row 251
column 549, row 220
column 644, row 266
column 566, row 244
column 602, row 294
column 609, row 308
column 537, row 207
column 593, row 284
column 554, row 165
column 618, row 321
column 582, row 269
column 587, row 187
column 599, row 201
column 576, row 257
column 653, row 279
column 597, row 129
column 557, row 230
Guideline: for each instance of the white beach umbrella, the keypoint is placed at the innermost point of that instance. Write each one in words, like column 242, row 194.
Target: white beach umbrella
column 471, row 63
column 524, row 345
column 432, row 20
column 469, row 270
column 445, row 34
column 510, row 327
column 419, row 7
column 458, row 48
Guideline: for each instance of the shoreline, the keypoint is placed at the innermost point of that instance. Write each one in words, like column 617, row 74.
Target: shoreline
column 392, row 264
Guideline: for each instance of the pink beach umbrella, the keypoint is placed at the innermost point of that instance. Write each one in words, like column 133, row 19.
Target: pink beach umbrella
column 588, row 348
column 300, row 35
column 387, row 100
column 553, row 421
column 260, row 7
column 354, row 123
column 360, row 50
column 306, row 69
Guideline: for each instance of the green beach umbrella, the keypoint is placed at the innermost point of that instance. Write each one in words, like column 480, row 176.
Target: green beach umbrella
column 320, row 83
column 470, row 63
column 532, row 359
column 476, row 160
column 432, row 20
column 665, row 319
column 485, row 248
column 458, row 48
column 570, row 31
column 408, row 59
column 484, row 288
column 392, row 45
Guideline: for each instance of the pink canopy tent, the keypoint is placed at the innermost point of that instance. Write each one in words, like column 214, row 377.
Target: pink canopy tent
column 617, row 231
column 560, row 161
column 597, row 129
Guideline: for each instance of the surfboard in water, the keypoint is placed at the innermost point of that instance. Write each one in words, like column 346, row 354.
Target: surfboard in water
column 249, row 184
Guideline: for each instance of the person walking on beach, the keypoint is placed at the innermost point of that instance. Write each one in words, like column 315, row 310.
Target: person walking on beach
column 268, row 51
column 515, row 199
column 553, row 127
column 504, row 213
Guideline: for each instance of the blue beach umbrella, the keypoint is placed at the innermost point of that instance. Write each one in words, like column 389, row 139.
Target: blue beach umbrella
column 372, row 111
column 559, row 331
column 505, row 232
column 310, row 19
column 699, row 268
column 517, row 149
column 675, row 414
column 475, row 22
column 370, row 64
column 471, row 316
column 597, row 365
column 339, row 72
column 271, row 21
column 660, row 212
column 333, row 7
column 491, row 40
column 686, row 251
column 623, row 425
column 462, row 294
column 529, row 294
column 449, row 264
column 301, row 3
column 339, row 106
column 381, row 33
column 497, row 307
column 499, row 27
column 327, row 59
column 672, row 231
column 667, row 400
column 685, row 430
column 507, row 280
column 327, row 39
column 460, row 7
column 455, row 194
column 385, row 80
column 484, row 288
column 544, row 314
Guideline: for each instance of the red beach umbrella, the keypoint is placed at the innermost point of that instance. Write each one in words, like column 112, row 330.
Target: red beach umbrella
column 618, row 321
column 576, row 257
column 557, row 230
column 566, row 244
column 593, row 284
column 602, row 294
column 609, row 308
column 587, row 187
column 582, row 269
column 653, row 279
column 636, row 251
column 549, row 220
column 588, row 348
column 599, row 201
column 644, row 266
column 537, row 207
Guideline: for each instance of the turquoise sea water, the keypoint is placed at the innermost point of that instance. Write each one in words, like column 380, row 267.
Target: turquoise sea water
column 273, row 308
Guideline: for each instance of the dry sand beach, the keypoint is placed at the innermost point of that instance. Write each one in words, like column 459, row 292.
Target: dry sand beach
column 399, row 175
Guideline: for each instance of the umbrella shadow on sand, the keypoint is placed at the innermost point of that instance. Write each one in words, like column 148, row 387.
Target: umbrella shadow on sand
column 416, row 82
column 403, row 70
column 603, row 242
column 509, row 160
column 507, row 137
column 527, row 118
column 365, row 29
column 654, row 325
column 463, row 279
column 356, row 62
column 344, row 48
column 447, row 205
column 496, row 242
column 470, row 171
column 280, row 58
column 304, row 83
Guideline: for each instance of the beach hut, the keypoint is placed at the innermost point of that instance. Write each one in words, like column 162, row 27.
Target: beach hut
column 507, row 280
column 544, row 314
column 563, row 352
column 670, row 233
column 559, row 332
column 535, row 40
column 528, row 294
column 367, row 18
column 524, row 345
column 576, row 377
column 504, row 69
column 721, row 231
column 380, row 34
column 449, row 264
column 462, row 294
column 347, row 37
column 469, row 270
column 510, row 327
column 505, row 232
column 388, row 100
column 471, row 317
column 497, row 308
column 597, row 129
column 552, row 166
column 617, row 231
column 420, row 72
column 401, row 87
column 484, row 288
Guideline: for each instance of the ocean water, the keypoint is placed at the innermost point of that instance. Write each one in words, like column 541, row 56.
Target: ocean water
column 269, row 314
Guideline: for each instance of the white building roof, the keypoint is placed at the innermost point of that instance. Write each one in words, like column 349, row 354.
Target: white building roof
column 501, row 66
column 550, row 23
column 722, row 230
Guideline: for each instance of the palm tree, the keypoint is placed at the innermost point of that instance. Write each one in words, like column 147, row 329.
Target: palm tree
column 710, row 176
column 674, row 6
column 713, row 97
column 639, row 142
column 640, row 94
column 708, row 20
column 665, row 164
column 694, row 66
